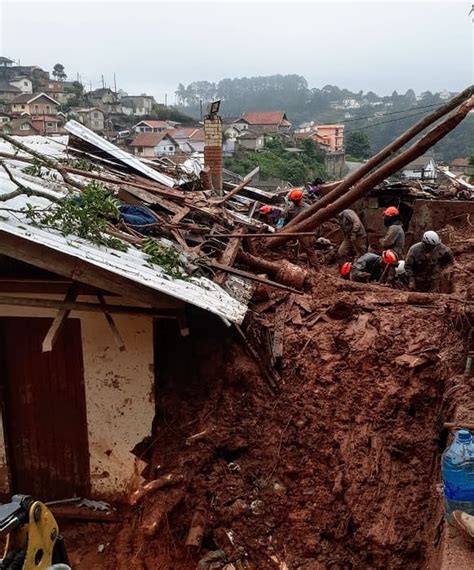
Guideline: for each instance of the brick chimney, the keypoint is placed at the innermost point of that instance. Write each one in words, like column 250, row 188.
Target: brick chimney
column 213, row 150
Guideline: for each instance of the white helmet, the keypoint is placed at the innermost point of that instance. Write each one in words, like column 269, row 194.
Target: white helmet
column 400, row 268
column 431, row 238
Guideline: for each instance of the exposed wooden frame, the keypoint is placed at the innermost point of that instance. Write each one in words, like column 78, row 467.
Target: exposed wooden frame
column 113, row 327
column 61, row 316
column 88, row 307
column 80, row 270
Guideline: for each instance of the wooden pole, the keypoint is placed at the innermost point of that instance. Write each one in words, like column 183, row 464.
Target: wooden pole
column 359, row 190
column 239, row 187
column 379, row 158
column 270, row 236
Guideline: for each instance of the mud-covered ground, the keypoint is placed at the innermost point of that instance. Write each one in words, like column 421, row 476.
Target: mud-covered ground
column 338, row 470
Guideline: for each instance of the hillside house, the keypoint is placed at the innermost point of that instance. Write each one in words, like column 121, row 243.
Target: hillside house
column 105, row 99
column 5, row 62
column 251, row 141
column 4, row 118
column 151, row 145
column 57, row 90
column 333, row 135
column 137, row 105
column 8, row 92
column 461, row 166
column 152, row 126
column 264, row 122
column 422, row 168
column 36, row 104
column 189, row 139
column 19, row 127
column 47, row 124
column 93, row 118
column 24, row 84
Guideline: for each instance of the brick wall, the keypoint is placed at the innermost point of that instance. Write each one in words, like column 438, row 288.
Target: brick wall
column 213, row 150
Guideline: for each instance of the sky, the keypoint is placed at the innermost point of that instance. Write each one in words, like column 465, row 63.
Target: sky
column 152, row 46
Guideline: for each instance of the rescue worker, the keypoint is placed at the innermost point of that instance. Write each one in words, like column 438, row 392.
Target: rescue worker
column 354, row 243
column 271, row 216
column 296, row 206
column 425, row 261
column 401, row 280
column 395, row 236
column 370, row 266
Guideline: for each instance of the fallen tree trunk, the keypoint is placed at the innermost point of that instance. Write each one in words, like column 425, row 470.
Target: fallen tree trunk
column 332, row 208
column 377, row 159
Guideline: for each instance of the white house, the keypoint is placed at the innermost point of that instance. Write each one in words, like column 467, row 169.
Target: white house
column 422, row 168
column 138, row 105
column 150, row 145
column 23, row 83
column 152, row 126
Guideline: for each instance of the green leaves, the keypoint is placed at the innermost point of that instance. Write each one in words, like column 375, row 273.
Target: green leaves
column 167, row 258
column 85, row 216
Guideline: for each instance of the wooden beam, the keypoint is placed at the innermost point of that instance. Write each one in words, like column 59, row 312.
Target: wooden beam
column 61, row 316
column 87, row 307
column 113, row 327
column 229, row 255
column 80, row 270
column 239, row 187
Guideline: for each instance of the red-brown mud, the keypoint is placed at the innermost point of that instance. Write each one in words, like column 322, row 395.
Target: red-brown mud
column 338, row 470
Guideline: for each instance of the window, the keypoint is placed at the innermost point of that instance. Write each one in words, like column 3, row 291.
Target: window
column 48, row 108
column 25, row 83
column 50, row 124
column 22, row 106
column 140, row 150
column 171, row 148
column 96, row 115
column 37, row 108
column 25, row 127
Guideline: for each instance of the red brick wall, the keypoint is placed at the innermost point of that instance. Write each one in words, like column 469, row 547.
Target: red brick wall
column 213, row 150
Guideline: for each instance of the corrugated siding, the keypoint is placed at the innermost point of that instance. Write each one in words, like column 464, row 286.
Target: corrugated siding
column 44, row 409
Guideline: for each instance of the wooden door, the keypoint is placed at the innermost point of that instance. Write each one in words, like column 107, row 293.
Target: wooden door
column 44, row 409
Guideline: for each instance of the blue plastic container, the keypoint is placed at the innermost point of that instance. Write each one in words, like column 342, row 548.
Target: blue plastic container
column 458, row 474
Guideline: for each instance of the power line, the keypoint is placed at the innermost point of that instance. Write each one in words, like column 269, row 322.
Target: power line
column 384, row 122
column 390, row 113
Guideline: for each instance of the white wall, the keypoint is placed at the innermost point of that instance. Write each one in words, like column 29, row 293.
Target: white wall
column 120, row 399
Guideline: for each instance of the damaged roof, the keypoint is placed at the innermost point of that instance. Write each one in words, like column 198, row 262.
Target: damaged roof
column 131, row 265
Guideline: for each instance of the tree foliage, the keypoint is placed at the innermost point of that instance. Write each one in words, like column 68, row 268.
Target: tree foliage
column 358, row 144
column 58, row 72
column 292, row 94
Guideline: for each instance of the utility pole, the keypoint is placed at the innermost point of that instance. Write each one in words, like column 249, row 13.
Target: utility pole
column 200, row 105
column 115, row 83
column 166, row 99
column 103, row 82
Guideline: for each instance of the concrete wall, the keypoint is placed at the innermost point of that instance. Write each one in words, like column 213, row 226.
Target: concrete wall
column 119, row 397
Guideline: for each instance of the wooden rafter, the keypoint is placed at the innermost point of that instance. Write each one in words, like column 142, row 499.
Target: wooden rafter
column 61, row 316
column 113, row 327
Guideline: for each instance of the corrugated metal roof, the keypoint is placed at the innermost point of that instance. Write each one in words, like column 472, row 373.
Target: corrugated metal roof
column 85, row 134
column 132, row 265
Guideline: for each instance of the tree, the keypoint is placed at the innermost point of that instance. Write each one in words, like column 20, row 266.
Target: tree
column 471, row 160
column 358, row 145
column 58, row 72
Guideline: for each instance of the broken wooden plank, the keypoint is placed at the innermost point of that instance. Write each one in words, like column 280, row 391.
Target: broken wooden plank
column 229, row 255
column 240, row 186
column 279, row 331
column 113, row 327
column 61, row 316
column 196, row 528
column 155, row 485
column 91, row 307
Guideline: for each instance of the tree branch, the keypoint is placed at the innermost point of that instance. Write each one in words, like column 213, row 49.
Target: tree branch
column 22, row 189
column 47, row 160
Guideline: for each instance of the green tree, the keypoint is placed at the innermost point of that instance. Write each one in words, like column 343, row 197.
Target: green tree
column 58, row 72
column 471, row 160
column 358, row 144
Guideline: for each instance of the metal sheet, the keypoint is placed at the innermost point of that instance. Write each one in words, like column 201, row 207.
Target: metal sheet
column 82, row 132
column 132, row 264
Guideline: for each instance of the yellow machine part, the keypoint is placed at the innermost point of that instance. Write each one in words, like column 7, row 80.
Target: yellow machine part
column 37, row 538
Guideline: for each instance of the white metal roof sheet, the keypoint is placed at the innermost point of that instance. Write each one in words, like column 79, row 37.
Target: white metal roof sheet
column 132, row 265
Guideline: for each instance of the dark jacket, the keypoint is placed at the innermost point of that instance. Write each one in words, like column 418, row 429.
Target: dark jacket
column 424, row 264
column 394, row 238
column 351, row 225
column 368, row 267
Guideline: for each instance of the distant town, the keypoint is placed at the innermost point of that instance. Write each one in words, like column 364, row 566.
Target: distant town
column 36, row 102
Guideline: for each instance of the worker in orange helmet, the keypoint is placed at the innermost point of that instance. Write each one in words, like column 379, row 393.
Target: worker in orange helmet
column 271, row 216
column 345, row 270
column 395, row 236
column 370, row 266
column 296, row 205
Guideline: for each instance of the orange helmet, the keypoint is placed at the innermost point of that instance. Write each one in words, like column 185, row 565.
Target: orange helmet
column 391, row 211
column 295, row 195
column 345, row 269
column 265, row 209
column 389, row 257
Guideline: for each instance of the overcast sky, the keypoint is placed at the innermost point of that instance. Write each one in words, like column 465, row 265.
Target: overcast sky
column 152, row 46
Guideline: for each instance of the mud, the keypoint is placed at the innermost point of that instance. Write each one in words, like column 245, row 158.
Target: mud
column 339, row 470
